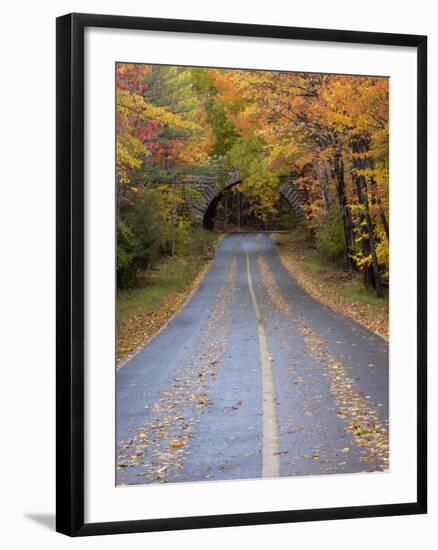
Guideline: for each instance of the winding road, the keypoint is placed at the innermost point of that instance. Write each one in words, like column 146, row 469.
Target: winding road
column 252, row 378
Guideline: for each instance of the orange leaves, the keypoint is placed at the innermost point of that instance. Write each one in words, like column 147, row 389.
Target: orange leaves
column 231, row 85
column 173, row 120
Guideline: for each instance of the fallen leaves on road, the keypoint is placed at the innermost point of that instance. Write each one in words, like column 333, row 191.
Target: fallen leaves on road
column 362, row 420
column 234, row 407
column 325, row 289
column 177, row 444
column 174, row 417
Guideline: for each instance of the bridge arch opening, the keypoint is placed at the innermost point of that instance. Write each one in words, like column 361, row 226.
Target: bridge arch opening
column 210, row 212
column 289, row 198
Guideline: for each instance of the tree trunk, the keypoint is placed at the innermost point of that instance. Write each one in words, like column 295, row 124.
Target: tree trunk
column 172, row 225
column 338, row 171
column 376, row 200
column 322, row 173
column 361, row 146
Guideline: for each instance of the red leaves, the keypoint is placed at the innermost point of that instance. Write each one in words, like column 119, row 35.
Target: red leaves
column 129, row 77
column 147, row 132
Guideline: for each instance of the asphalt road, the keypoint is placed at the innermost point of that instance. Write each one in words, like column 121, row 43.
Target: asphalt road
column 252, row 378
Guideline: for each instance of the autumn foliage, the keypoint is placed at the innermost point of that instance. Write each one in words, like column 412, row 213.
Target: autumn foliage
column 330, row 132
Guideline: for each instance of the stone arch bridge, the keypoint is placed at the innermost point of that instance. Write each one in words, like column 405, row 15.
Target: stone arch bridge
column 211, row 188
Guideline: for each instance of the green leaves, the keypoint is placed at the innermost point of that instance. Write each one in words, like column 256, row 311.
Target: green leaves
column 330, row 239
column 260, row 184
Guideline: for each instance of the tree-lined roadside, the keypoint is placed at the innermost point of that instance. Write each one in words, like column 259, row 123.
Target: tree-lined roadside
column 328, row 133
column 331, row 284
column 160, row 292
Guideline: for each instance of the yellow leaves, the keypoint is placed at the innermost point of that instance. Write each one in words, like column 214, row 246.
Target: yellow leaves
column 159, row 117
column 313, row 456
column 136, row 456
column 131, row 104
column 382, row 252
column 282, row 153
column 337, row 120
column 128, row 151
column 177, row 443
column 361, row 260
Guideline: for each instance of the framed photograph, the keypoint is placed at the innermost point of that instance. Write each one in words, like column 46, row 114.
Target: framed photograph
column 241, row 274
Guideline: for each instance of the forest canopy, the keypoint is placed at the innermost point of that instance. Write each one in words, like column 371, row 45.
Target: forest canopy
column 329, row 132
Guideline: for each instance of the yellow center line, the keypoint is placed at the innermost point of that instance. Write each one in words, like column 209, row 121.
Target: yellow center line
column 271, row 464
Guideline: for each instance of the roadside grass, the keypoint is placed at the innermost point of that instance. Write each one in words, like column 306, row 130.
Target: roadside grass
column 348, row 284
column 160, row 292
column 171, row 276
column 316, row 266
column 330, row 283
column 355, row 291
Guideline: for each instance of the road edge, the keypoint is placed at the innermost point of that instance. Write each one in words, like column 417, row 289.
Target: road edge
column 193, row 290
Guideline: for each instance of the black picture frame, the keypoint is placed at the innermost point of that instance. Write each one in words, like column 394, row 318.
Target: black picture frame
column 70, row 273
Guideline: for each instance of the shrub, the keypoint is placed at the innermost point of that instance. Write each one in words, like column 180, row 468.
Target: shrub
column 330, row 240
column 140, row 233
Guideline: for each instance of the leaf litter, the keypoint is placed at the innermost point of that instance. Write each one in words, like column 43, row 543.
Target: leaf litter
column 164, row 439
column 362, row 420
